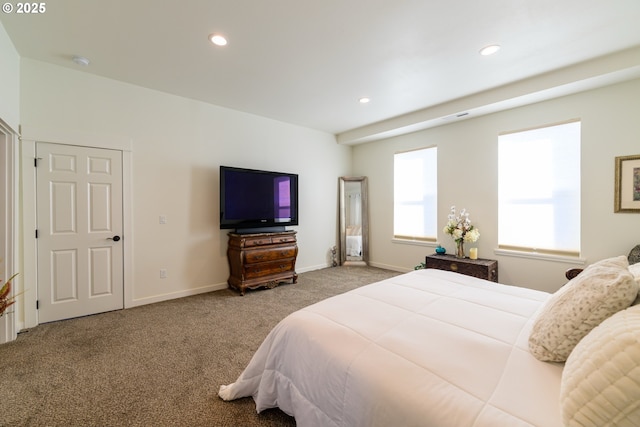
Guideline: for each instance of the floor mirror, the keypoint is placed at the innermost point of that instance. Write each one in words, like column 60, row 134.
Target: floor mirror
column 354, row 221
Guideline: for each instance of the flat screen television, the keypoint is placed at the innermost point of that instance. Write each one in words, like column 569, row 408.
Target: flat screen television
column 257, row 200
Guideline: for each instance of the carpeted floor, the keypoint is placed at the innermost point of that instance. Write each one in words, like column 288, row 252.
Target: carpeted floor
column 159, row 364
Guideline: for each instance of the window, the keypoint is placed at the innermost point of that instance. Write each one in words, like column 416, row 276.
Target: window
column 415, row 192
column 539, row 189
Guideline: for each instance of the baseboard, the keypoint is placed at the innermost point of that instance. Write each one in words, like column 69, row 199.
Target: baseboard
column 311, row 268
column 390, row 267
column 372, row 264
column 179, row 294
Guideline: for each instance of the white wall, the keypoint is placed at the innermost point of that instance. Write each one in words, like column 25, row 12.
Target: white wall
column 177, row 147
column 9, row 81
column 467, row 177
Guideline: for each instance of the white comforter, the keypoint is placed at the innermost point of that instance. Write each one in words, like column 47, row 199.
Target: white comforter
column 427, row 348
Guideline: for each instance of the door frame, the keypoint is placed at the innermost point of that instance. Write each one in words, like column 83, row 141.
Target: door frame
column 9, row 225
column 29, row 137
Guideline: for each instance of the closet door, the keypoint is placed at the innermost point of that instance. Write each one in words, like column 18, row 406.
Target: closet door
column 79, row 221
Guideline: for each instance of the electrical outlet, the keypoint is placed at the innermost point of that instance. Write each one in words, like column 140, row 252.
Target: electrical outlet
column 163, row 273
column 163, row 219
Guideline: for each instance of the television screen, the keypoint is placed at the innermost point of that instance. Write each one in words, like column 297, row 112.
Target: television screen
column 257, row 199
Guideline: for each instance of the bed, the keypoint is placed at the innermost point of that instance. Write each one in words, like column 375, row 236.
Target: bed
column 426, row 348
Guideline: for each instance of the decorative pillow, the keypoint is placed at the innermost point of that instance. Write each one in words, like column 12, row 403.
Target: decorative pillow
column 601, row 379
column 635, row 271
column 601, row 290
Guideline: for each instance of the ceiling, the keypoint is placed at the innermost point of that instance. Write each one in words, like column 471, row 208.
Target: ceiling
column 309, row 62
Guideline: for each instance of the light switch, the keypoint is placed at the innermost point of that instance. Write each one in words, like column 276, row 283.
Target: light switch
column 163, row 219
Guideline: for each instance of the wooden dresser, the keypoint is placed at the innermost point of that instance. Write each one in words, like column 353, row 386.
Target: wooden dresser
column 481, row 268
column 263, row 259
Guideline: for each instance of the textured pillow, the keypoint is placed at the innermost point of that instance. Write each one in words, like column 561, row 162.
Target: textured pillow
column 601, row 379
column 602, row 289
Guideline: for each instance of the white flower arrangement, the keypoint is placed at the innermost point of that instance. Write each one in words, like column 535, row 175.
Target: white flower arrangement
column 460, row 227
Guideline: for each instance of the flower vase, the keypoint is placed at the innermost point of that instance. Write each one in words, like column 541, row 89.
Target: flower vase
column 460, row 249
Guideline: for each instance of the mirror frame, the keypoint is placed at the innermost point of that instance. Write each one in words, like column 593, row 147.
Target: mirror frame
column 365, row 220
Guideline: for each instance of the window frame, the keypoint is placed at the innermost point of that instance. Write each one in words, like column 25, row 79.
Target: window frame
column 531, row 250
column 405, row 238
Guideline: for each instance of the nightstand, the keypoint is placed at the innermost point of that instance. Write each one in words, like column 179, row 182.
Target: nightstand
column 481, row 268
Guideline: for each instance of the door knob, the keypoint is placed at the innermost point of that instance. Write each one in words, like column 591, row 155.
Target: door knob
column 114, row 238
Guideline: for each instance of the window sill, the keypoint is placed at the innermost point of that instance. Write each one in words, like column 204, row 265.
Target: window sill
column 541, row 256
column 414, row 242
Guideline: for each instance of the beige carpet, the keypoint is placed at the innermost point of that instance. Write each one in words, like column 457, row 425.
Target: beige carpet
column 155, row 365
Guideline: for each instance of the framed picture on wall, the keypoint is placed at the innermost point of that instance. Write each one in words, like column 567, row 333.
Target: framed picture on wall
column 627, row 185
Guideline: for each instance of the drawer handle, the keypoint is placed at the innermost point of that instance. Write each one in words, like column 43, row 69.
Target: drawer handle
column 454, row 267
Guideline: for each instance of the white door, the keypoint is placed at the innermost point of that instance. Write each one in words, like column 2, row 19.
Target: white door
column 79, row 221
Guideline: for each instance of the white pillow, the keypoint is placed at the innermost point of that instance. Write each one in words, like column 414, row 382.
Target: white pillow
column 602, row 289
column 601, row 379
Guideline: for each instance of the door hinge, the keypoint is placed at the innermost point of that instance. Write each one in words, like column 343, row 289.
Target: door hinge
column 35, row 162
column 36, row 233
column 37, row 304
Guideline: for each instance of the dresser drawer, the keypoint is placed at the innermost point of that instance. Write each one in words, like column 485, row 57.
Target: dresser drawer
column 263, row 269
column 253, row 241
column 250, row 242
column 262, row 255
column 283, row 239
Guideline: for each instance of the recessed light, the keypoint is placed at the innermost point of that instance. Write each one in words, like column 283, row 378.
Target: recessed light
column 217, row 39
column 80, row 60
column 489, row 50
column 364, row 100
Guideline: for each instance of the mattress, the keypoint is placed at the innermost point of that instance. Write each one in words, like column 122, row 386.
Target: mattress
column 426, row 348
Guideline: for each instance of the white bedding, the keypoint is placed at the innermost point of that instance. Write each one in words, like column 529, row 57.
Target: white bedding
column 426, row 348
column 354, row 245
